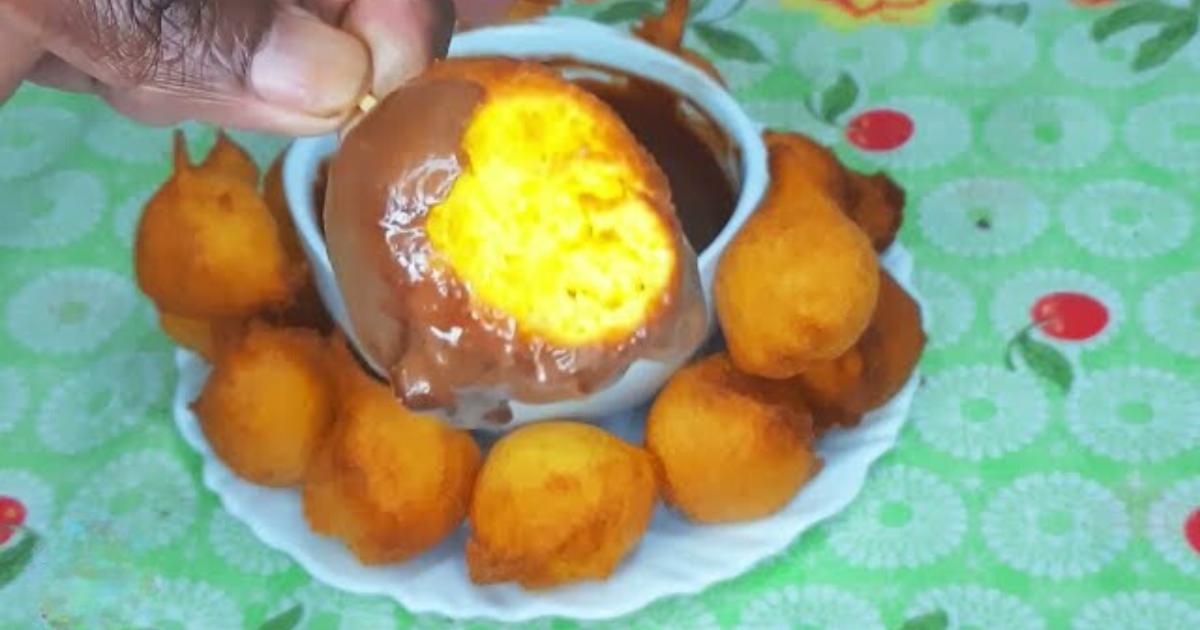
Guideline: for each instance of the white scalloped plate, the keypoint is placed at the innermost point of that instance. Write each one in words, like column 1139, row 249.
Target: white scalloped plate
column 674, row 558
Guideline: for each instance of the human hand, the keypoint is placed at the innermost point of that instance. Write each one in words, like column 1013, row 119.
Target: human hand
column 286, row 66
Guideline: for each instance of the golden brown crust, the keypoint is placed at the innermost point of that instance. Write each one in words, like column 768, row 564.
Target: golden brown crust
column 207, row 246
column 730, row 446
column 267, row 404
column 841, row 390
column 390, row 483
column 876, row 204
column 558, row 502
column 798, row 284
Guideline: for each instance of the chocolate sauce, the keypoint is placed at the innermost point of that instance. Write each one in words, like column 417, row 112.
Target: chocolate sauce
column 414, row 318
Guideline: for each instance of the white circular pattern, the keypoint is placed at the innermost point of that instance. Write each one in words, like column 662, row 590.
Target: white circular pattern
column 95, row 405
column 128, row 213
column 792, row 115
column 1107, row 65
column 51, row 211
column 145, row 499
column 1135, row 415
column 350, row 611
column 14, row 398
column 980, row 412
column 184, row 604
column 34, row 136
column 1014, row 299
column 1127, row 219
column 1056, row 525
column 118, row 138
column 817, row 606
column 905, row 517
column 35, row 494
column 971, row 606
column 1166, row 133
column 234, row 543
column 941, row 132
column 1137, row 610
column 68, row 311
column 1048, row 132
column 1171, row 313
column 736, row 73
column 1165, row 522
column 668, row 615
column 984, row 52
column 870, row 54
column 982, row 216
column 949, row 307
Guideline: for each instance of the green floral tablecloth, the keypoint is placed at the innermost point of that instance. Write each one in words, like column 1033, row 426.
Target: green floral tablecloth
column 1050, row 475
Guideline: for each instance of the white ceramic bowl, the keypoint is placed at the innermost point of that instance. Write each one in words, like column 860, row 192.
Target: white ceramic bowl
column 596, row 45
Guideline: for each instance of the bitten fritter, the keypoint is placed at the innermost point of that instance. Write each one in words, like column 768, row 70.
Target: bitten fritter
column 207, row 246
column 268, row 403
column 730, row 446
column 558, row 502
column 389, row 483
column 499, row 234
column 868, row 375
column 876, row 205
column 798, row 283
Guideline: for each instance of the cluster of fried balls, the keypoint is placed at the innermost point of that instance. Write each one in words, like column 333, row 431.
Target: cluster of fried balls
column 815, row 343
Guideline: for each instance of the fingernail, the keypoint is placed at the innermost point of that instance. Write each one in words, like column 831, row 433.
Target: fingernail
column 309, row 66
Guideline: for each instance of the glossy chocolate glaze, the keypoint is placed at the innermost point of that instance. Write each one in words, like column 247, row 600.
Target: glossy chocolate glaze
column 414, row 318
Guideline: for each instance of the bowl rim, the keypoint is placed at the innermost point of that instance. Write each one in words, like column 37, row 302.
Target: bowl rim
column 606, row 48
column 518, row 40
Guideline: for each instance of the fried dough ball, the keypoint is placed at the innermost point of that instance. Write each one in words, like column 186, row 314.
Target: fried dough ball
column 876, row 205
column 389, row 483
column 496, row 199
column 558, row 502
column 841, row 390
column 730, row 446
column 207, row 246
column 205, row 337
column 268, row 404
column 665, row 30
column 798, row 283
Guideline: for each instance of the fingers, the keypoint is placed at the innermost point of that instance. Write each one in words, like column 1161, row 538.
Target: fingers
column 404, row 36
column 18, row 54
column 252, row 64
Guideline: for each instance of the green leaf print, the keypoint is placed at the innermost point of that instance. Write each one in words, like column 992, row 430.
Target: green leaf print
column 936, row 620
column 1171, row 39
column 1016, row 12
column 1129, row 16
column 839, row 98
column 624, row 11
column 14, row 559
column 965, row 12
column 1046, row 361
column 285, row 620
column 729, row 44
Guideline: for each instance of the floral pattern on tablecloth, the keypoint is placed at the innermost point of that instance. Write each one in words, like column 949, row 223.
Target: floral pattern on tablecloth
column 1050, row 475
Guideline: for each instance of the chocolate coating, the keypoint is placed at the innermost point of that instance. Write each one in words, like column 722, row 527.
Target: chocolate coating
column 414, row 318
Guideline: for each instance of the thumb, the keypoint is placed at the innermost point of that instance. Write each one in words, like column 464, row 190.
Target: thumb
column 253, row 64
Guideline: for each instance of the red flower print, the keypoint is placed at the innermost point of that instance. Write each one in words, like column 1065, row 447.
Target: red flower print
column 12, row 517
column 1069, row 316
column 1191, row 530
column 880, row 130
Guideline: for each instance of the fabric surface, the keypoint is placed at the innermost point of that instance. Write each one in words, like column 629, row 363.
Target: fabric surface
column 1049, row 476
